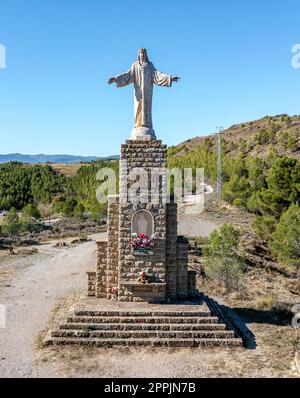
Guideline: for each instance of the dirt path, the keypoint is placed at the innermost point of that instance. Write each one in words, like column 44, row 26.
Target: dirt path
column 36, row 286
column 197, row 224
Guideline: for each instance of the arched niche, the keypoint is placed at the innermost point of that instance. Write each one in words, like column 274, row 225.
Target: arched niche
column 142, row 222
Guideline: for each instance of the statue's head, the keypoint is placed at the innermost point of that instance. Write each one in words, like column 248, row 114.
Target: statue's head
column 143, row 56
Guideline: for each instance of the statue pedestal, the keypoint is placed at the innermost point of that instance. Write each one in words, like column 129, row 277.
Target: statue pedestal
column 143, row 134
column 119, row 266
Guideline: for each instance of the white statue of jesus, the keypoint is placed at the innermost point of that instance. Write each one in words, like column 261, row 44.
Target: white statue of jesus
column 143, row 75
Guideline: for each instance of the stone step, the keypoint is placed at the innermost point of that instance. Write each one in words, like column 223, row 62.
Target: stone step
column 144, row 334
column 107, row 343
column 140, row 326
column 139, row 314
column 154, row 320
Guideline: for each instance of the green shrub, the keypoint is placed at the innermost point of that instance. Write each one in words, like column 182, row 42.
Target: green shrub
column 285, row 243
column 222, row 262
column 30, row 213
column 264, row 226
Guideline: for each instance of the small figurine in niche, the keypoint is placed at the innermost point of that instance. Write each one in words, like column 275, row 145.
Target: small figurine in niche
column 143, row 278
column 147, row 276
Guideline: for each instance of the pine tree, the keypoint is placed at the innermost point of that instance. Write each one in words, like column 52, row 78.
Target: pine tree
column 285, row 243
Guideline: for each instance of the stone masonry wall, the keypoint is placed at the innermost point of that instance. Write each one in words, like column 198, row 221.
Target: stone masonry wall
column 147, row 155
column 91, row 283
column 101, row 269
column 113, row 213
column 171, row 261
column 182, row 267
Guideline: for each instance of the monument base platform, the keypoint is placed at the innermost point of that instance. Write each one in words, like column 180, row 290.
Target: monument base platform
column 107, row 323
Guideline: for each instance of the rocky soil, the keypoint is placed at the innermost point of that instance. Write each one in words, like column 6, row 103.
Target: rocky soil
column 64, row 228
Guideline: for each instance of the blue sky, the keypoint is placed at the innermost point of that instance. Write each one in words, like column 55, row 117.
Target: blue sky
column 234, row 58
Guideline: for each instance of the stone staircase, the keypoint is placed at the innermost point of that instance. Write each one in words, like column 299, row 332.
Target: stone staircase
column 161, row 328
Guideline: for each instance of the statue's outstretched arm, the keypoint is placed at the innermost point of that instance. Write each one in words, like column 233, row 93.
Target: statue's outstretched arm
column 122, row 80
column 162, row 79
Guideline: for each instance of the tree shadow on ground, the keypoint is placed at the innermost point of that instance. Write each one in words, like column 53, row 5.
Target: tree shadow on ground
column 279, row 317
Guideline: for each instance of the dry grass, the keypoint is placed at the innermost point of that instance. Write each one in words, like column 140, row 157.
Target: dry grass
column 68, row 170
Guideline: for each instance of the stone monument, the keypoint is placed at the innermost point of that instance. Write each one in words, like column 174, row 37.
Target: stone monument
column 143, row 262
column 119, row 265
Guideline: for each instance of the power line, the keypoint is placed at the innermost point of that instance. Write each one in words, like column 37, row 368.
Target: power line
column 219, row 165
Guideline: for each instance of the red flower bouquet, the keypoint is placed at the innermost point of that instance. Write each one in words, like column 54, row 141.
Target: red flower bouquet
column 142, row 243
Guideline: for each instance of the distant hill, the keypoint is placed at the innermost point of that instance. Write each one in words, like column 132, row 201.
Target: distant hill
column 254, row 138
column 57, row 159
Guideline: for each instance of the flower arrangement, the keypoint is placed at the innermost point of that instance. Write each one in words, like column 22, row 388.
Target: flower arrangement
column 114, row 291
column 142, row 243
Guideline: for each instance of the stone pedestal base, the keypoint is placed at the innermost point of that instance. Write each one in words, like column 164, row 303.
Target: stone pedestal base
column 143, row 134
column 118, row 266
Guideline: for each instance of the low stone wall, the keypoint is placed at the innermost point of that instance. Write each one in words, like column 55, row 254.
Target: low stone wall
column 171, row 251
column 113, row 222
column 91, row 283
column 182, row 267
column 101, row 279
column 192, row 292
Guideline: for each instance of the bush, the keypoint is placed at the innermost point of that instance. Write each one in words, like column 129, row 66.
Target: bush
column 283, row 188
column 283, row 139
column 262, row 137
column 14, row 226
column 223, row 262
column 293, row 139
column 79, row 211
column 12, row 229
column 264, row 226
column 236, row 191
column 30, row 213
column 46, row 210
column 11, row 217
column 69, row 207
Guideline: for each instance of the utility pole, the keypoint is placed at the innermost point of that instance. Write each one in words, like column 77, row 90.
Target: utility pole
column 219, row 163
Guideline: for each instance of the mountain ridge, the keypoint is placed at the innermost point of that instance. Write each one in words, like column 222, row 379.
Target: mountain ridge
column 58, row 159
column 256, row 138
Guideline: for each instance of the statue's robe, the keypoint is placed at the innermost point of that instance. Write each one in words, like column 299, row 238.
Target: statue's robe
column 143, row 77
